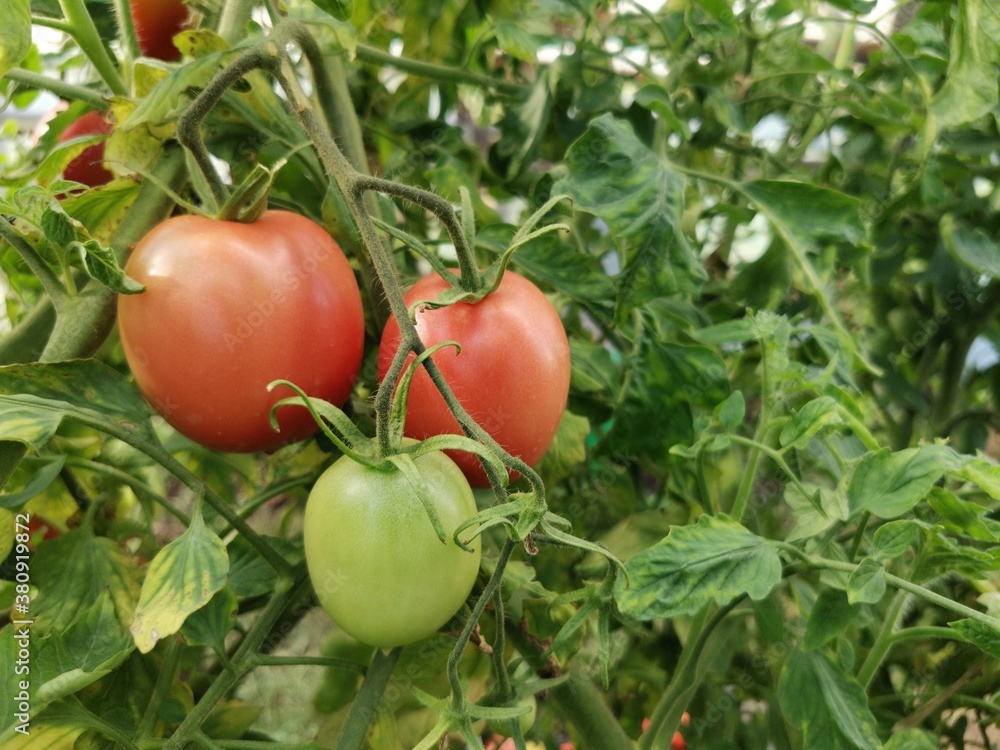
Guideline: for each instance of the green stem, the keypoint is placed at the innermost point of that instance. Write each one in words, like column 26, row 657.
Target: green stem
column 440, row 73
column 126, row 29
column 85, row 34
column 234, row 19
column 774, row 456
column 577, row 698
column 31, row 257
column 140, row 488
column 26, row 341
column 927, row 631
column 859, row 429
column 164, row 683
column 52, row 23
column 352, row 734
column 885, row 640
column 463, row 639
column 243, row 662
column 859, row 535
column 60, row 88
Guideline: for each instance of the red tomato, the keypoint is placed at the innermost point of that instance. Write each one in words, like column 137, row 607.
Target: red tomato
column 512, row 375
column 87, row 167
column 677, row 743
column 157, row 22
column 228, row 308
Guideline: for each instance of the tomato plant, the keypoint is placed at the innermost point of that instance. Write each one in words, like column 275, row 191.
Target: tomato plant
column 230, row 307
column 156, row 23
column 88, row 168
column 742, row 420
column 511, row 375
column 7, row 533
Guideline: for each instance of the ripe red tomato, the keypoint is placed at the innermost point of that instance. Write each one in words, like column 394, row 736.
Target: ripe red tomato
column 512, row 374
column 228, row 308
column 87, row 167
column 157, row 22
column 375, row 562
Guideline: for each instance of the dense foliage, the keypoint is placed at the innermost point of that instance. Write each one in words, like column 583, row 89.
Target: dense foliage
column 771, row 505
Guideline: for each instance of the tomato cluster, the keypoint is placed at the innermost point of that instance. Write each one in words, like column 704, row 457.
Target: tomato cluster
column 230, row 307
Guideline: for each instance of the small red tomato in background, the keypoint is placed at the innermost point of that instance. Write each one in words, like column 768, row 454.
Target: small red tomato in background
column 230, row 307
column 512, row 374
column 88, row 167
column 156, row 23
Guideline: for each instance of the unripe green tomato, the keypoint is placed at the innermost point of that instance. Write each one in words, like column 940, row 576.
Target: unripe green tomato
column 6, row 533
column 377, row 566
column 526, row 720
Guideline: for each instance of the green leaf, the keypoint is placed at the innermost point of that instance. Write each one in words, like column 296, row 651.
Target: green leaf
column 250, row 574
column 676, row 378
column 809, row 521
column 890, row 484
column 716, row 559
column 40, row 479
column 810, row 419
column 983, row 636
column 831, row 615
column 616, row 177
column 515, row 41
column 866, row 585
column 732, row 411
column 92, row 647
column 567, row 449
column 181, row 579
column 102, row 266
column 983, row 474
column 524, row 124
column 101, row 210
column 827, row 705
column 911, row 739
column 894, row 538
column 960, row 515
column 35, row 398
column 970, row 89
column 58, row 227
column 15, row 34
column 972, row 247
column 806, row 215
column 75, row 572
column 210, row 625
column 855, row 6
column 342, row 10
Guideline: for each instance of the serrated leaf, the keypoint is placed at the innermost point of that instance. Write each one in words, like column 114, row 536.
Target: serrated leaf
column 894, row 538
column 182, row 578
column 15, row 34
column 615, row 176
column 677, row 379
column 974, row 248
column 961, row 515
column 35, row 398
column 831, row 615
column 827, row 705
column 567, row 449
column 970, row 89
column 731, row 412
column 40, row 479
column 866, row 585
column 809, row 420
column 102, row 209
column 983, row 636
column 58, row 227
column 715, row 560
column 210, row 625
column 890, row 484
column 76, row 571
column 102, row 266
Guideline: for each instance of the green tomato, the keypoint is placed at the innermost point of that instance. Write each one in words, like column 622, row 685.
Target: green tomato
column 377, row 566
column 6, row 533
column 526, row 720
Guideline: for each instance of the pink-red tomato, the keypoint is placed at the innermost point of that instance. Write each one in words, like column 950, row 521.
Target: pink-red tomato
column 230, row 307
column 512, row 374
column 157, row 22
column 88, row 167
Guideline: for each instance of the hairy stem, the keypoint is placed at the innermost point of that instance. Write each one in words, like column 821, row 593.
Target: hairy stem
column 60, row 88
column 86, row 36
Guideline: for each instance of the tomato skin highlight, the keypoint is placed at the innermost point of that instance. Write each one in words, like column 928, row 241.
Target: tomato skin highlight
column 375, row 562
column 512, row 374
column 156, row 23
column 88, row 167
column 230, row 307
